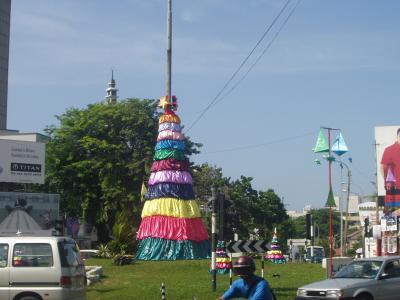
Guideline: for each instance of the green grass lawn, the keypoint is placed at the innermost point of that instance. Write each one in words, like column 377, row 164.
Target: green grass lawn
column 188, row 279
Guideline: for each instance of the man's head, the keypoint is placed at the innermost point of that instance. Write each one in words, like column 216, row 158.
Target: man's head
column 244, row 266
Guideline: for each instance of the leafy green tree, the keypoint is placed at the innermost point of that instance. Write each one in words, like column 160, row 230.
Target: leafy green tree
column 261, row 210
column 321, row 219
column 204, row 178
column 98, row 158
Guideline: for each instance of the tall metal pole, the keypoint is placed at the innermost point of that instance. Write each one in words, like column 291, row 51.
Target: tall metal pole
column 330, row 207
column 169, row 50
column 376, row 185
column 213, row 239
column 347, row 210
column 341, row 211
column 377, row 221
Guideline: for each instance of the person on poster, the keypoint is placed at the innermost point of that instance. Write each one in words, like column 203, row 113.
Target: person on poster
column 390, row 170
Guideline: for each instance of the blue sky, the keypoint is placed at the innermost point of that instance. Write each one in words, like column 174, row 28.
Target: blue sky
column 335, row 64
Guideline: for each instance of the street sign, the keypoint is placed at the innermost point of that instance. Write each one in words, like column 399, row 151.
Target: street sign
column 248, row 246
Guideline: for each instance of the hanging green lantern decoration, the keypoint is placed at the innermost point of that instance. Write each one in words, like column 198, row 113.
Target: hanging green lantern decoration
column 322, row 144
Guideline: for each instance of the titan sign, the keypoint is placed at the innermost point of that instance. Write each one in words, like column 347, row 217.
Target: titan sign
column 21, row 161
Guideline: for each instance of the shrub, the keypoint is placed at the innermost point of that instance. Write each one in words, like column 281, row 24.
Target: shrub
column 122, row 259
column 103, row 251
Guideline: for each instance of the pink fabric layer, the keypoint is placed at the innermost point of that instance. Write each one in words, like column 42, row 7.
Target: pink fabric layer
column 223, row 265
column 172, row 228
column 170, row 176
column 169, row 164
column 170, row 135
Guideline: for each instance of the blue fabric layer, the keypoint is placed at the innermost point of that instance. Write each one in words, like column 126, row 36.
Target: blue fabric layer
column 161, row 249
column 173, row 190
column 169, row 126
column 170, row 144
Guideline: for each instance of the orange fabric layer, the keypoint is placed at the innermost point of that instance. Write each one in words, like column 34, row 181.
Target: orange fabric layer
column 169, row 119
column 172, row 229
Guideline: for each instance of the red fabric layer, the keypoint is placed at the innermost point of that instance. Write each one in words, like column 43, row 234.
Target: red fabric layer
column 170, row 164
column 172, row 228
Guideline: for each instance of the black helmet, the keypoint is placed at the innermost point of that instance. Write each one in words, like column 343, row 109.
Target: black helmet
column 244, row 266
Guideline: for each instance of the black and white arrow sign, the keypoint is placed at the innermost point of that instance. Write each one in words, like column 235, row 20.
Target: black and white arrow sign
column 248, row 246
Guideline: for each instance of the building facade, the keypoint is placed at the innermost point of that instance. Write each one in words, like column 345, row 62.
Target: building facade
column 5, row 10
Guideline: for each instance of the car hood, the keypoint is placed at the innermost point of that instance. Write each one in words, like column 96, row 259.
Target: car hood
column 339, row 283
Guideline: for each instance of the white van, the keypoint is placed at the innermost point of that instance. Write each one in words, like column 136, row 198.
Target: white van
column 41, row 268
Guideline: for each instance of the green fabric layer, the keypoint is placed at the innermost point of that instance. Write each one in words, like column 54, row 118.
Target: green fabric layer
column 169, row 153
column 162, row 249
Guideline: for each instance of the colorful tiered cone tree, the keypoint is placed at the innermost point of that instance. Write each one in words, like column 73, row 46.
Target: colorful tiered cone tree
column 275, row 254
column 171, row 226
column 223, row 263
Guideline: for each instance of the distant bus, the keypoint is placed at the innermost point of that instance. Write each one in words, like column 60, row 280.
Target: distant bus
column 314, row 254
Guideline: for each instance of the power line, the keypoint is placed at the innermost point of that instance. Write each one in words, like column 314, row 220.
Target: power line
column 261, row 55
column 239, row 68
column 262, row 144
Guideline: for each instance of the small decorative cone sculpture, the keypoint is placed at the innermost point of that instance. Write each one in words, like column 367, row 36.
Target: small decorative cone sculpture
column 223, row 263
column 275, row 255
column 171, row 226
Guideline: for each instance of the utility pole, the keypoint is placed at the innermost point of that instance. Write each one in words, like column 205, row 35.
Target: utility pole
column 344, row 246
column 213, row 239
column 377, row 221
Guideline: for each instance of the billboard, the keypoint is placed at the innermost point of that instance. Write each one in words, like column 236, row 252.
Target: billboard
column 387, row 139
column 21, row 161
column 43, row 208
column 368, row 210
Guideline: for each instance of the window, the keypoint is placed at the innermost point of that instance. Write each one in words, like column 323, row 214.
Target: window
column 360, row 269
column 392, row 268
column 69, row 254
column 32, row 255
column 3, row 255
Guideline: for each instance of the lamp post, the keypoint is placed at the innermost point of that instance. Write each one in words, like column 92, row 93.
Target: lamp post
column 344, row 244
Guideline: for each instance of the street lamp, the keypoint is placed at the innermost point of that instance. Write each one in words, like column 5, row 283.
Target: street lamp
column 344, row 245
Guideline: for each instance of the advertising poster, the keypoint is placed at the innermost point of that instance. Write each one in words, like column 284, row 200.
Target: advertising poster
column 43, row 208
column 368, row 210
column 21, row 161
column 387, row 140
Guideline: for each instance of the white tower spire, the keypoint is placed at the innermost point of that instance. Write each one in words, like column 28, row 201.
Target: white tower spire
column 111, row 96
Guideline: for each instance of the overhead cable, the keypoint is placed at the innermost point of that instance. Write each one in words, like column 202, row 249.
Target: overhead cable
column 240, row 67
column 261, row 55
column 260, row 145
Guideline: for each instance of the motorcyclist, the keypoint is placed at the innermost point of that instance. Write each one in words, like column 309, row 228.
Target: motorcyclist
column 249, row 286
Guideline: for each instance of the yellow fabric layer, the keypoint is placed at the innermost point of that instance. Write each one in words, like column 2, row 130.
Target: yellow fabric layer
column 171, row 207
column 170, row 119
column 223, row 259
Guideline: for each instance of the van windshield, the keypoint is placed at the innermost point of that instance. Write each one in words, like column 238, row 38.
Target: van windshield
column 69, row 254
column 318, row 252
